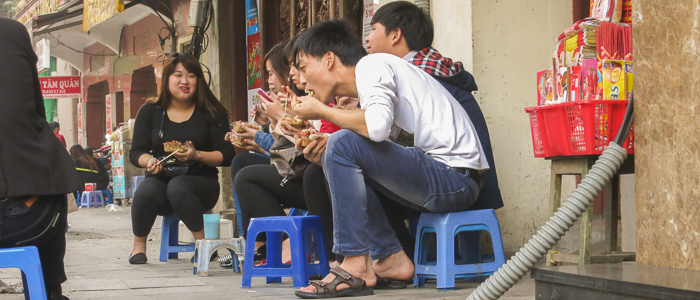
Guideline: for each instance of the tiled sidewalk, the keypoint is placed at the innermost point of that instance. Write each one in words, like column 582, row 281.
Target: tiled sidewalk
column 99, row 243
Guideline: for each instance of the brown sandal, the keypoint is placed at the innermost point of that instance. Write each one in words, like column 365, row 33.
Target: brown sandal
column 358, row 287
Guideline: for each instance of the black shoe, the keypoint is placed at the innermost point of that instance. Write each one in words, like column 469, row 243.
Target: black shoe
column 56, row 296
column 138, row 259
column 260, row 254
column 227, row 264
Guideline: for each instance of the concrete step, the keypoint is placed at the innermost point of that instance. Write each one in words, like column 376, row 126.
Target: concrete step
column 622, row 281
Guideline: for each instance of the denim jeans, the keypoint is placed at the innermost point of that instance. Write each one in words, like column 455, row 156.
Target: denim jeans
column 357, row 169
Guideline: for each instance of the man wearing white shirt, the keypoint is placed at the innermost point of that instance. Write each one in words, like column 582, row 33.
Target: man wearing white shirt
column 439, row 174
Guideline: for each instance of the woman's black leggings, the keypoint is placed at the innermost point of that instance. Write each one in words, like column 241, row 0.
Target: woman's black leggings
column 189, row 196
column 260, row 194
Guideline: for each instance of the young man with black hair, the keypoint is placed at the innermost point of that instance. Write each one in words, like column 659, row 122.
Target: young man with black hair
column 439, row 174
column 403, row 29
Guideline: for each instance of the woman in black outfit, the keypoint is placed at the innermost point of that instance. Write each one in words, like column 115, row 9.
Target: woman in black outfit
column 35, row 170
column 186, row 111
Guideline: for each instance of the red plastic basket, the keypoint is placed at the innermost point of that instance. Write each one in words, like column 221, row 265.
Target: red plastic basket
column 577, row 128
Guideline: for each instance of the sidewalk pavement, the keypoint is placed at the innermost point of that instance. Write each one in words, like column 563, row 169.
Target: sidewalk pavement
column 99, row 243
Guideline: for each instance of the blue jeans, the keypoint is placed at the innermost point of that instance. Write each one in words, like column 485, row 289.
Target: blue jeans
column 357, row 169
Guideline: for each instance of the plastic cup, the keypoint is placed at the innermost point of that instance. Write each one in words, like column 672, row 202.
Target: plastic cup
column 211, row 226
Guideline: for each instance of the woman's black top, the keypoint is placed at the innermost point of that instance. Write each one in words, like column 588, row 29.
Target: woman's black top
column 205, row 132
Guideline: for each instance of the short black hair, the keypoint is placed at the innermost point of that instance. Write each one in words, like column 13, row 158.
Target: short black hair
column 415, row 24
column 55, row 125
column 337, row 36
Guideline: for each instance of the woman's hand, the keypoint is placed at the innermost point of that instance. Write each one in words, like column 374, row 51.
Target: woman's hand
column 290, row 130
column 248, row 134
column 313, row 152
column 259, row 115
column 191, row 154
column 152, row 165
column 249, row 145
column 274, row 109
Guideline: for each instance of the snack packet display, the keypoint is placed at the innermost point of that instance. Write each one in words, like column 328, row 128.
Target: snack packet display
column 544, row 87
column 614, row 78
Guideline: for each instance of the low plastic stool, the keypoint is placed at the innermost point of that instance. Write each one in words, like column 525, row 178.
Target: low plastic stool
column 110, row 199
column 300, row 269
column 27, row 260
column 204, row 249
column 310, row 245
column 471, row 264
column 169, row 245
column 91, row 199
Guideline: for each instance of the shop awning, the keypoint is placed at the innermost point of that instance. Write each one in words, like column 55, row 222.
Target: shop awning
column 62, row 28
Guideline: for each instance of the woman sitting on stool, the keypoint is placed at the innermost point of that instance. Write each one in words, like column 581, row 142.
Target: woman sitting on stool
column 186, row 111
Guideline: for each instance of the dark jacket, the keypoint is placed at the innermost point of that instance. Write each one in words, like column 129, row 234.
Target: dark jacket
column 461, row 86
column 32, row 159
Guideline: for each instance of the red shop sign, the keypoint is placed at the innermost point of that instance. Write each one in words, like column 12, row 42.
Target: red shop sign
column 60, row 86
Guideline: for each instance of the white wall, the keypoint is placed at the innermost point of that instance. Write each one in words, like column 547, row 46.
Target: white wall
column 67, row 107
column 512, row 41
column 453, row 30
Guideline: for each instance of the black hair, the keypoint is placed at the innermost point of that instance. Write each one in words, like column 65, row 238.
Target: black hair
column 203, row 96
column 278, row 59
column 415, row 24
column 337, row 36
column 90, row 151
column 55, row 125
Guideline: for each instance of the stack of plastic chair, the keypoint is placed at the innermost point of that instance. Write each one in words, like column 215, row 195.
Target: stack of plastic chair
column 91, row 199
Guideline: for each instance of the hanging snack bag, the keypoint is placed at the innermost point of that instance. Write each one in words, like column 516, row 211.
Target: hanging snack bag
column 614, row 78
column 589, row 79
column 544, row 87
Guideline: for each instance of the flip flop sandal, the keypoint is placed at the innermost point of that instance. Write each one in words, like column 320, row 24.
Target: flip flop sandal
column 358, row 287
column 390, row 284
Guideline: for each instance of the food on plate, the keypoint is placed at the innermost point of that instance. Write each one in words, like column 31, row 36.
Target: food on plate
column 174, row 146
column 308, row 135
column 239, row 126
column 298, row 123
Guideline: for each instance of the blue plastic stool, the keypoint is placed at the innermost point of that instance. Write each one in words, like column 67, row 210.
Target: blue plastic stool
column 296, row 228
column 471, row 264
column 169, row 245
column 27, row 260
column 91, row 199
column 107, row 193
column 296, row 212
column 310, row 245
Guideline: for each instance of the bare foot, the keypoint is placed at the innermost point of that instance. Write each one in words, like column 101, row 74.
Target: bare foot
column 396, row 266
column 358, row 266
column 286, row 251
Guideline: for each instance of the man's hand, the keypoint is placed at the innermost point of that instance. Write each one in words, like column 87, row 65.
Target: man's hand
column 313, row 152
column 307, row 108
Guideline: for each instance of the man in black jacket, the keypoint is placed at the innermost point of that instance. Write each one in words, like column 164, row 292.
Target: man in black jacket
column 35, row 170
column 403, row 29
